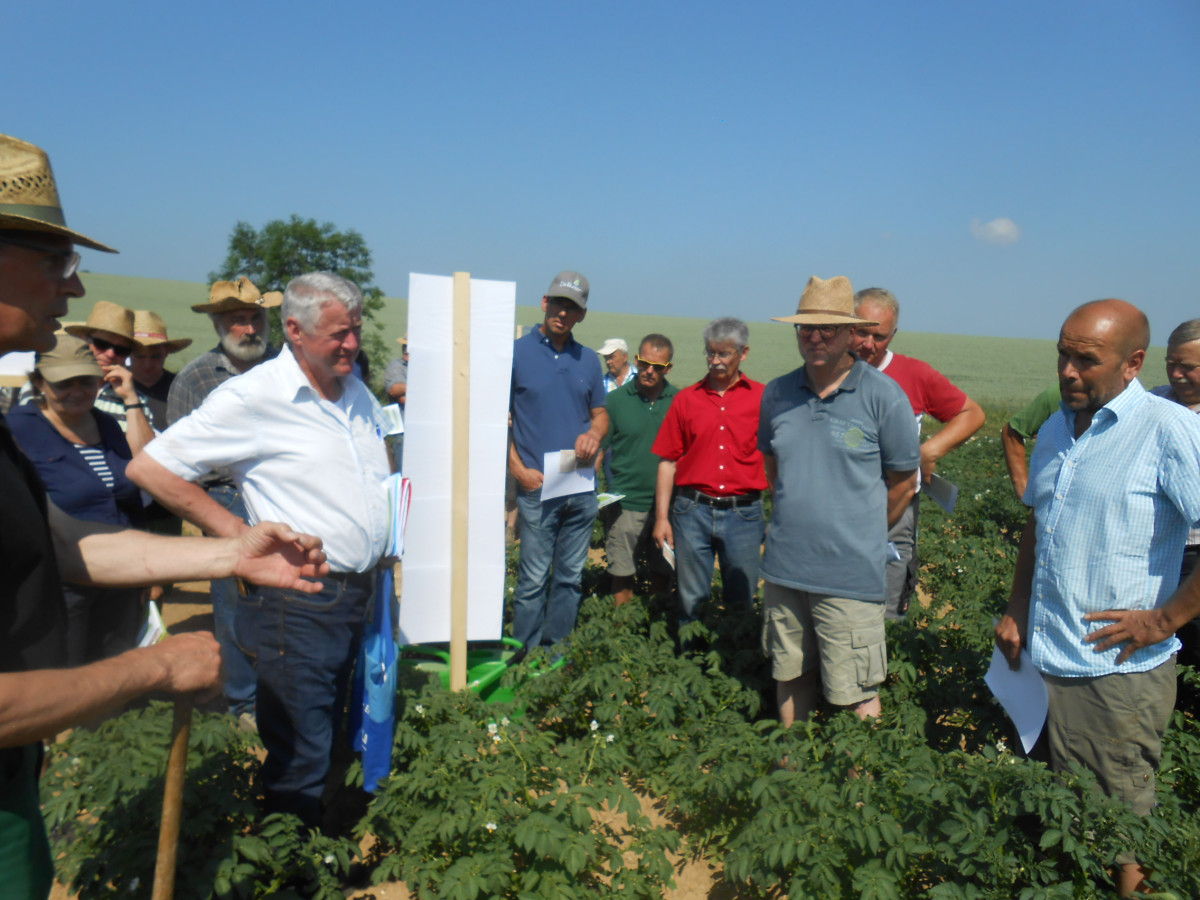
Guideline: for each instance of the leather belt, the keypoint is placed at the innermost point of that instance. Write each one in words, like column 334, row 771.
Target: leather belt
column 747, row 499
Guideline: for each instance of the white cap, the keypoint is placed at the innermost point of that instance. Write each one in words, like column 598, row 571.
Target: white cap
column 612, row 345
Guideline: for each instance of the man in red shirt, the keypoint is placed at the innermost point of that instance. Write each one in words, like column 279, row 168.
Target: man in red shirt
column 929, row 392
column 708, row 499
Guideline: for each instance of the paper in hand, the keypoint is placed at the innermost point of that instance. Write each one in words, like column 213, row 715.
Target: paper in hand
column 563, row 475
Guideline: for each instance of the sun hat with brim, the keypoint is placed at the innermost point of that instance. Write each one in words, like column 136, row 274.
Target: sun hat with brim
column 612, row 345
column 226, row 296
column 70, row 358
column 105, row 316
column 28, row 195
column 826, row 303
column 149, row 330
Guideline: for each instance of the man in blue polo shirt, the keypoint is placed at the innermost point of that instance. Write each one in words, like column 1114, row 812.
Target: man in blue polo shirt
column 557, row 404
column 842, row 457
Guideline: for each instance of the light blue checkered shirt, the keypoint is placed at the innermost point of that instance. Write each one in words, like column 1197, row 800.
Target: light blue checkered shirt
column 1113, row 511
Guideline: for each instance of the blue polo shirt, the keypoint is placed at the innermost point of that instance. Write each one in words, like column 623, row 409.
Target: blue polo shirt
column 553, row 394
column 829, row 528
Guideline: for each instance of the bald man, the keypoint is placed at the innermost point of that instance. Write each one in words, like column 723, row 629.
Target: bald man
column 1114, row 490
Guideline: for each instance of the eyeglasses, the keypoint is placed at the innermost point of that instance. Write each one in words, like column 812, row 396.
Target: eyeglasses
column 104, row 346
column 646, row 364
column 67, row 261
column 719, row 354
column 826, row 331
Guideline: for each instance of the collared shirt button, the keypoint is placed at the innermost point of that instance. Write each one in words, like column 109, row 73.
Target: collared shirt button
column 722, row 446
column 720, row 487
column 720, row 467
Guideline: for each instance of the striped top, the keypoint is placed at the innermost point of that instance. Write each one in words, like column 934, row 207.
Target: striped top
column 94, row 457
column 1113, row 510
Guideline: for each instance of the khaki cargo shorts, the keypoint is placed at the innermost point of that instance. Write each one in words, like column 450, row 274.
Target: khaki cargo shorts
column 842, row 638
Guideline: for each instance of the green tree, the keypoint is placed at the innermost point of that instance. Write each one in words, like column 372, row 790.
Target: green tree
column 282, row 249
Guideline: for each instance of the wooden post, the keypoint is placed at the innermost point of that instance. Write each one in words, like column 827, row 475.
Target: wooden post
column 168, row 829
column 460, row 484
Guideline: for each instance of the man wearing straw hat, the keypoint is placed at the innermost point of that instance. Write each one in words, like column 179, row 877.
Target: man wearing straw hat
column 238, row 311
column 39, row 544
column 842, row 457
column 151, row 347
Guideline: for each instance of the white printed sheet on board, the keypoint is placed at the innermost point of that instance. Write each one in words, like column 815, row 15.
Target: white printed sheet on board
column 428, row 456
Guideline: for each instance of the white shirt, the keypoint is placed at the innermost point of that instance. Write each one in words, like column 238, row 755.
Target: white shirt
column 314, row 464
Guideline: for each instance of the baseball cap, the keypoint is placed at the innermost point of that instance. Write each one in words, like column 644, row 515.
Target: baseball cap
column 570, row 286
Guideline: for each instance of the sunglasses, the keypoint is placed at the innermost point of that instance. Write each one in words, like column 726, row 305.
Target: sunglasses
column 104, row 346
column 646, row 364
column 826, row 331
column 66, row 261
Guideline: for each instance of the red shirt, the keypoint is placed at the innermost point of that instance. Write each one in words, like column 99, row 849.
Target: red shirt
column 928, row 390
column 713, row 439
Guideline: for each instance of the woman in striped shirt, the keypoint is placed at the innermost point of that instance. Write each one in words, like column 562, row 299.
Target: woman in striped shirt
column 81, row 454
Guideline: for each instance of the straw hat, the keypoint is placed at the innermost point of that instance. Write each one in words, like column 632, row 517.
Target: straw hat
column 225, row 296
column 826, row 303
column 105, row 316
column 70, row 358
column 149, row 330
column 28, row 195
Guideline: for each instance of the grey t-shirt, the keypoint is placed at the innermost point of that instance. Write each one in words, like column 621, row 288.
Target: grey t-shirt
column 828, row 531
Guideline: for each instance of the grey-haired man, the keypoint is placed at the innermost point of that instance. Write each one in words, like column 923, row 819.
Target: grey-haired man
column 303, row 440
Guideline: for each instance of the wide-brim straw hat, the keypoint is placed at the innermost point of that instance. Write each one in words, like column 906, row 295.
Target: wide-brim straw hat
column 149, row 330
column 225, row 296
column 826, row 303
column 28, row 195
column 70, row 358
column 105, row 316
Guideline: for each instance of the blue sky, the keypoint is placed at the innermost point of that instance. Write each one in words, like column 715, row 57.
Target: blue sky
column 993, row 163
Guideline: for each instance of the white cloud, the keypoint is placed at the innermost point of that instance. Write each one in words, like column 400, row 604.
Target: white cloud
column 997, row 231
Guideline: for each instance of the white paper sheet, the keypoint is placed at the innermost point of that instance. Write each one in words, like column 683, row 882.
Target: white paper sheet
column 606, row 499
column 394, row 419
column 1022, row 694
column 942, row 490
column 425, row 605
column 563, row 475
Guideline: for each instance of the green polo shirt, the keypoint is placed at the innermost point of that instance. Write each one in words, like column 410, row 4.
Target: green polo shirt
column 633, row 424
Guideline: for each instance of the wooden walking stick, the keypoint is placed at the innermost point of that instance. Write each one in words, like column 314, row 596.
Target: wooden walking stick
column 168, row 831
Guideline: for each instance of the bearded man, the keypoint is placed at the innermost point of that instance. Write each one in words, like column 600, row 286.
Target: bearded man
column 239, row 314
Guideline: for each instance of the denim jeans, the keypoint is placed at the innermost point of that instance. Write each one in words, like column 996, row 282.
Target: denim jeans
column 554, row 536
column 702, row 533
column 236, row 667
column 304, row 647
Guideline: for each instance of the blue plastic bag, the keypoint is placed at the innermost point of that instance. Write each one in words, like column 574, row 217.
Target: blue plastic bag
column 373, row 699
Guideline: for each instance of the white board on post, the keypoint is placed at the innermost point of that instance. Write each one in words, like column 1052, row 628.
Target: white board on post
column 425, row 601
column 15, row 368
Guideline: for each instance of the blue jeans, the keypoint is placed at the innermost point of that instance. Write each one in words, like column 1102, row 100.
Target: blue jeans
column 305, row 646
column 554, row 534
column 237, row 669
column 702, row 533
